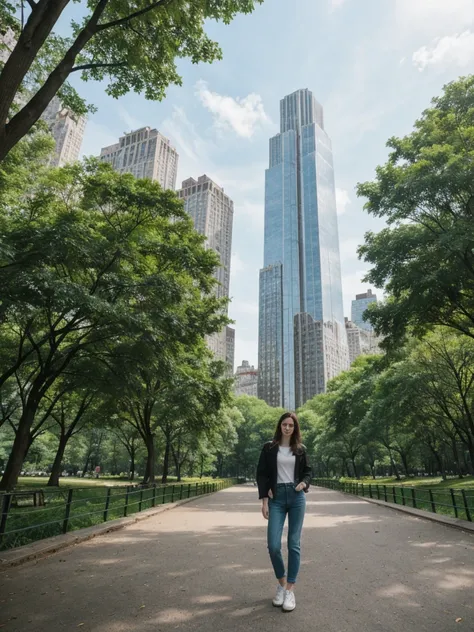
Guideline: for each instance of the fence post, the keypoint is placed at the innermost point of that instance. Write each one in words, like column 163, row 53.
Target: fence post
column 125, row 508
column 413, row 497
column 107, row 503
column 164, row 494
column 68, row 511
column 466, row 506
column 453, row 500
column 370, row 490
column 7, row 501
column 196, row 492
column 189, row 490
column 172, row 494
column 394, row 494
column 385, row 493
column 181, row 492
column 154, row 496
column 433, row 504
column 402, row 489
column 378, row 491
column 140, row 501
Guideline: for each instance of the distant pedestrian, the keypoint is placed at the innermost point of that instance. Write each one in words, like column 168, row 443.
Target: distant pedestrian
column 283, row 477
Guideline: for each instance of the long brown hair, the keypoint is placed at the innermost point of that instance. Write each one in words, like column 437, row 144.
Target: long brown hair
column 296, row 443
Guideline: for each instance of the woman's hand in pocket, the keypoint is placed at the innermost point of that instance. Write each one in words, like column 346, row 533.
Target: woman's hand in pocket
column 270, row 493
column 300, row 487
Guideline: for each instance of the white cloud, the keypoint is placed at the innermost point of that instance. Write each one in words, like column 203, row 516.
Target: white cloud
column 242, row 115
column 130, row 121
column 342, row 201
column 451, row 50
column 336, row 4
column 432, row 17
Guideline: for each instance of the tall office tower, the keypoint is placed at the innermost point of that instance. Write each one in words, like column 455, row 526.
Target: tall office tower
column 213, row 213
column 302, row 337
column 230, row 349
column 146, row 154
column 359, row 306
column 67, row 130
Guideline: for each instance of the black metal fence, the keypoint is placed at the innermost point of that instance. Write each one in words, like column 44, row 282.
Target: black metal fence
column 30, row 515
column 458, row 503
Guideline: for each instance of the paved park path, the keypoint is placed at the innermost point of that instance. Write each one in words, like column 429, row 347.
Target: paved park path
column 204, row 566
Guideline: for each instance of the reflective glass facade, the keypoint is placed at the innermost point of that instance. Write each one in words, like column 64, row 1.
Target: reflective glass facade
column 359, row 307
column 301, row 237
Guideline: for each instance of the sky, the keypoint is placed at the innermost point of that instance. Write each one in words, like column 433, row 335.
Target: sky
column 374, row 65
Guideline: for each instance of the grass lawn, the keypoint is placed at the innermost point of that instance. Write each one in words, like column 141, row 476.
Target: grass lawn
column 421, row 481
column 33, row 482
column 90, row 500
column 454, row 497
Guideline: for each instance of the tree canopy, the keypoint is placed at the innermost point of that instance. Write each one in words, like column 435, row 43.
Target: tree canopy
column 129, row 45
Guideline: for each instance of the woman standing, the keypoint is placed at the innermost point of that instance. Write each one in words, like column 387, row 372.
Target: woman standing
column 283, row 477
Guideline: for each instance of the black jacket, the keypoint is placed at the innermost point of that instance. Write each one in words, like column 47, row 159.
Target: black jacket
column 267, row 469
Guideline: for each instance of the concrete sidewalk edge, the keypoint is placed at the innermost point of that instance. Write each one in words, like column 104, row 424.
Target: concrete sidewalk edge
column 457, row 523
column 48, row 546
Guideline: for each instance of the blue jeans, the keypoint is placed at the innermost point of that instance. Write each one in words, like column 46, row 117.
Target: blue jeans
column 287, row 501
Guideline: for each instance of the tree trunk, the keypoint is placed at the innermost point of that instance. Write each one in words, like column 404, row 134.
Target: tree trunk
column 56, row 469
column 356, row 472
column 394, row 467
column 19, row 449
column 166, row 462
column 86, row 464
column 132, row 463
column 457, row 459
column 178, row 472
column 150, row 460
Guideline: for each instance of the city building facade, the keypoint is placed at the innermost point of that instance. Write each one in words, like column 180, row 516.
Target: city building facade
column 300, row 284
column 145, row 153
column 212, row 212
column 67, row 129
column 246, row 379
column 359, row 306
column 230, row 349
column 360, row 341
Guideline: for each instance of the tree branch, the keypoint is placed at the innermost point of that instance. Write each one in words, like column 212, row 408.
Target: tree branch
column 132, row 16
column 32, row 4
column 117, row 64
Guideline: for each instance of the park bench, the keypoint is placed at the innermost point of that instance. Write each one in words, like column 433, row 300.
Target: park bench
column 28, row 498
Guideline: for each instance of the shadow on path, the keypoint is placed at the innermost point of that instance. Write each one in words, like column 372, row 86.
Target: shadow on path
column 204, row 566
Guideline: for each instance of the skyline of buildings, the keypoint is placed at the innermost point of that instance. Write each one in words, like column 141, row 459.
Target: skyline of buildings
column 318, row 345
column 302, row 337
column 145, row 153
column 212, row 212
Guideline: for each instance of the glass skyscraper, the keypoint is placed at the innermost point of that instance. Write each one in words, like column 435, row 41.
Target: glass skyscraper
column 302, row 338
column 360, row 306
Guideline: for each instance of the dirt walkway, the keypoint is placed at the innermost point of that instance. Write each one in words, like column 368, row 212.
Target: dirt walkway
column 204, row 566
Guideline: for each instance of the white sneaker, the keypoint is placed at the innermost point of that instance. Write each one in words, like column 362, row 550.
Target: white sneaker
column 289, row 603
column 279, row 597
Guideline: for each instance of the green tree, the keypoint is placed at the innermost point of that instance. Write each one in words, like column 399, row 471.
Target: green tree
column 425, row 192
column 90, row 259
column 131, row 45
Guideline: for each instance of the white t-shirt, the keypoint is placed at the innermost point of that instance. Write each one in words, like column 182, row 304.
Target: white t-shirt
column 285, row 465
